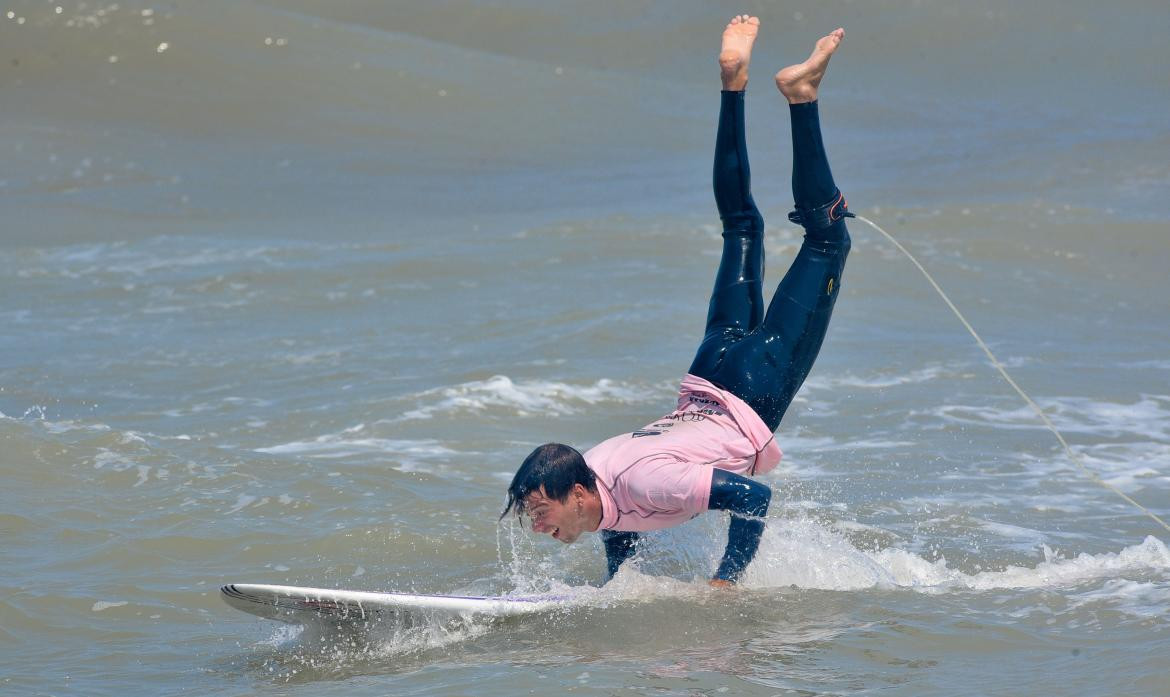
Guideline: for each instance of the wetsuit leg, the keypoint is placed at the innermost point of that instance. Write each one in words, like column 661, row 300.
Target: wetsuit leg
column 737, row 301
column 766, row 368
column 812, row 180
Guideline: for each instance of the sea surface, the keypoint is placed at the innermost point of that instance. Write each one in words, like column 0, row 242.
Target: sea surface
column 288, row 289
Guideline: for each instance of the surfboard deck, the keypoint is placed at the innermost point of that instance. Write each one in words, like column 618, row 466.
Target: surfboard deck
column 297, row 604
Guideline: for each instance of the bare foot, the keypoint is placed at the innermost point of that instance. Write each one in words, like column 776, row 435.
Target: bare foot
column 736, row 52
column 799, row 82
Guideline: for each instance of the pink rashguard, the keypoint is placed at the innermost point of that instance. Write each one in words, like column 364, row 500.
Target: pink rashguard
column 660, row 475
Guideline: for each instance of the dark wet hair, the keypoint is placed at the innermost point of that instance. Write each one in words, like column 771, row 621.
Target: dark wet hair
column 554, row 466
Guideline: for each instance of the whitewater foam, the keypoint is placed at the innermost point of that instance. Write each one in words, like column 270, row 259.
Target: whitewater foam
column 1145, row 599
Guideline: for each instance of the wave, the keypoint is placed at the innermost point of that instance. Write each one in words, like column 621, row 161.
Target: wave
column 806, row 555
column 1148, row 417
column 833, row 382
column 164, row 253
column 408, row 454
column 525, row 398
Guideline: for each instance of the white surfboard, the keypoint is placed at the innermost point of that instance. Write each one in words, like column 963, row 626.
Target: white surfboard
column 297, row 604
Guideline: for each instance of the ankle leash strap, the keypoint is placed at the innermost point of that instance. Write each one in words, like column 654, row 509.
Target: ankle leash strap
column 824, row 216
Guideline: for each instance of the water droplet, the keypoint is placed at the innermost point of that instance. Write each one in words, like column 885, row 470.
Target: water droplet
column 163, row 46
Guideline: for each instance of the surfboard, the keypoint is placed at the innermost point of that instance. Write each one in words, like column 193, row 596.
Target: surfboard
column 298, row 604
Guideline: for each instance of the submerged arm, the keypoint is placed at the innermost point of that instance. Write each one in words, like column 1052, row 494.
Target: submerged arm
column 747, row 500
column 619, row 546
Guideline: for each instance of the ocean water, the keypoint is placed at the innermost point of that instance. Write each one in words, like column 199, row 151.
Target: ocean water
column 290, row 287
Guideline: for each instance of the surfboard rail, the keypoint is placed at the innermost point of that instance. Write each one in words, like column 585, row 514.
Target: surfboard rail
column 296, row 603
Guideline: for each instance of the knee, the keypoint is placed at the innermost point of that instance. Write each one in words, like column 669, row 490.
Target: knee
column 833, row 241
column 746, row 223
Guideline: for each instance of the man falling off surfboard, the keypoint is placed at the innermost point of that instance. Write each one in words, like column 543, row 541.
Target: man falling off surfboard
column 750, row 364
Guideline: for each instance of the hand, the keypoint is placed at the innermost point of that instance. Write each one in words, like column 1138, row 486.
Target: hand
column 720, row 583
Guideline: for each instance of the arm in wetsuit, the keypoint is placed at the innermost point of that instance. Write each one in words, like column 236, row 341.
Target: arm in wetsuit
column 619, row 546
column 747, row 500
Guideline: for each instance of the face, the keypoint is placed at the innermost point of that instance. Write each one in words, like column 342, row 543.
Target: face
column 564, row 520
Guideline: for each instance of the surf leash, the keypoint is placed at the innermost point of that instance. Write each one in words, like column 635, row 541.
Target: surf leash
column 1076, row 459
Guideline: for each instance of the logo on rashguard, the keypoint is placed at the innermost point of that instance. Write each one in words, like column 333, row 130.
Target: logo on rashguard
column 643, row 432
column 700, row 400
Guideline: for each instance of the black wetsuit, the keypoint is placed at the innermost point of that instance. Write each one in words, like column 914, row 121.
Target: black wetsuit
column 762, row 356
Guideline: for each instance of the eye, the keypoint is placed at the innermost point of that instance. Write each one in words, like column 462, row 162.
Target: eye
column 538, row 513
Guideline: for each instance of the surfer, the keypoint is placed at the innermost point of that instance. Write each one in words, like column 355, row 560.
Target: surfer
column 750, row 364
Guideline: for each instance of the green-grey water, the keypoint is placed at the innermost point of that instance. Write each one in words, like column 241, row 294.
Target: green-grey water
column 289, row 288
